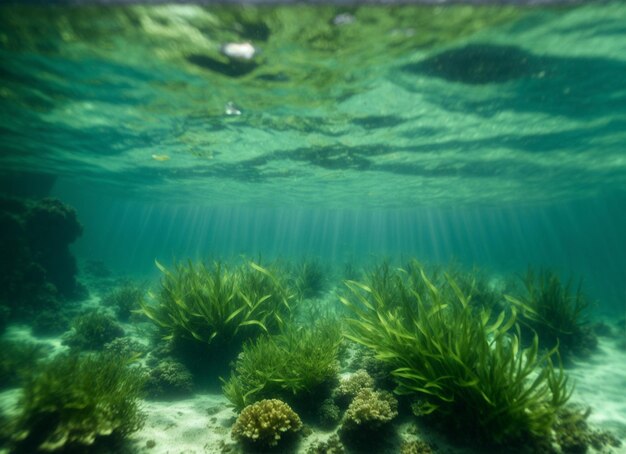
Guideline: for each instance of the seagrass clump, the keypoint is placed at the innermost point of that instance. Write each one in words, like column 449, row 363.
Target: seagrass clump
column 464, row 365
column 218, row 303
column 557, row 311
column 296, row 365
column 76, row 401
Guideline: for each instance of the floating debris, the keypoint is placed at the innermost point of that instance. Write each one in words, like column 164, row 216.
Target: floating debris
column 343, row 19
column 231, row 109
column 160, row 157
column 242, row 51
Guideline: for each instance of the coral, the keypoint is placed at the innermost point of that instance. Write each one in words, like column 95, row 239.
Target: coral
column 125, row 347
column 265, row 423
column 295, row 365
column 169, row 379
column 416, row 447
column 331, row 446
column 329, row 414
column 92, row 330
column 51, row 227
column 49, row 323
column 124, row 299
column 75, row 401
column 52, row 222
column 573, row 435
column 380, row 371
column 370, row 410
column 350, row 386
column 37, row 269
column 464, row 365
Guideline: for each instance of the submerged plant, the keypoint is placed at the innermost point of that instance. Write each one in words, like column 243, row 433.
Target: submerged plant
column 92, row 331
column 18, row 358
column 291, row 366
column 475, row 284
column 215, row 303
column 124, row 299
column 465, row 366
column 75, row 401
column 310, row 278
column 557, row 312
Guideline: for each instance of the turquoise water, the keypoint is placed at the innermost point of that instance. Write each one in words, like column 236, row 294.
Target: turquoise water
column 482, row 138
column 493, row 135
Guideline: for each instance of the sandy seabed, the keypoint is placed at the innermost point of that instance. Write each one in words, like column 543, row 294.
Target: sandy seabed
column 202, row 424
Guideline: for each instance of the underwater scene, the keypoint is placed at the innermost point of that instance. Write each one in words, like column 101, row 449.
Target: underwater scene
column 313, row 228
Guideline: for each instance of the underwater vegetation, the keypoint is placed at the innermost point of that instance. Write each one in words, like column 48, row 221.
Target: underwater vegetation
column 37, row 269
column 209, row 304
column 351, row 271
column 310, row 279
column 126, row 347
column 573, row 434
column 443, row 339
column 391, row 284
column 16, row 359
column 298, row 366
column 75, row 402
column 466, row 368
column 264, row 423
column 476, row 285
column 92, row 331
column 169, row 379
column 124, row 299
column 49, row 322
column 557, row 312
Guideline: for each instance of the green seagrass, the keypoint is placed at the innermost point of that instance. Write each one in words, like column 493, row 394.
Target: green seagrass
column 460, row 363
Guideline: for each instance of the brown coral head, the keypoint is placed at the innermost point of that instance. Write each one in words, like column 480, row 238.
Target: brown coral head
column 264, row 423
